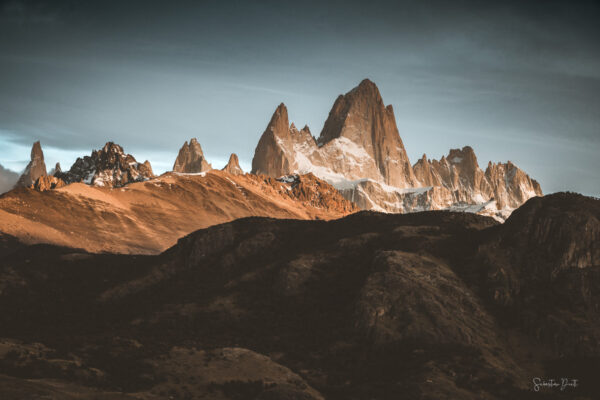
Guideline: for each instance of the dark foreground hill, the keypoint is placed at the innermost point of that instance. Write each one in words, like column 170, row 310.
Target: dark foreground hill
column 433, row 305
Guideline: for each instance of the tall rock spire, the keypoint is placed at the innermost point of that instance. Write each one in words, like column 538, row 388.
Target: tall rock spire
column 274, row 154
column 191, row 158
column 35, row 169
column 361, row 116
column 233, row 166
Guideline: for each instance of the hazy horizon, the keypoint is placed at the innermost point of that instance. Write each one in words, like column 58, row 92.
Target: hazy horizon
column 515, row 82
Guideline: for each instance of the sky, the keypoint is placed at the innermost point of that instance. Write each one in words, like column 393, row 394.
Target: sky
column 515, row 81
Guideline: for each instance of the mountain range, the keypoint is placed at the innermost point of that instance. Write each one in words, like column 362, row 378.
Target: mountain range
column 357, row 162
column 360, row 152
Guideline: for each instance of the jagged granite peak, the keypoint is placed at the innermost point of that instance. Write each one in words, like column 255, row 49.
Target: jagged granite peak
column 279, row 120
column 504, row 183
column 110, row 167
column 35, row 168
column 425, row 173
column 334, row 125
column 359, row 140
column 233, row 165
column 275, row 154
column 191, row 159
column 465, row 156
column 510, row 185
column 362, row 117
column 455, row 182
column 461, row 185
column 465, row 175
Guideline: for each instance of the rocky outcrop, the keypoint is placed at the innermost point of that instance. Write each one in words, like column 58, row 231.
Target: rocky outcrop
column 35, row 168
column 47, row 182
column 233, row 165
column 191, row 159
column 110, row 167
column 360, row 152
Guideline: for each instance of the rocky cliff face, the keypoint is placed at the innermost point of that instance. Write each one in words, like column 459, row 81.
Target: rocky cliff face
column 233, row 165
column 361, row 153
column 109, row 167
column 35, row 168
column 191, row 159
